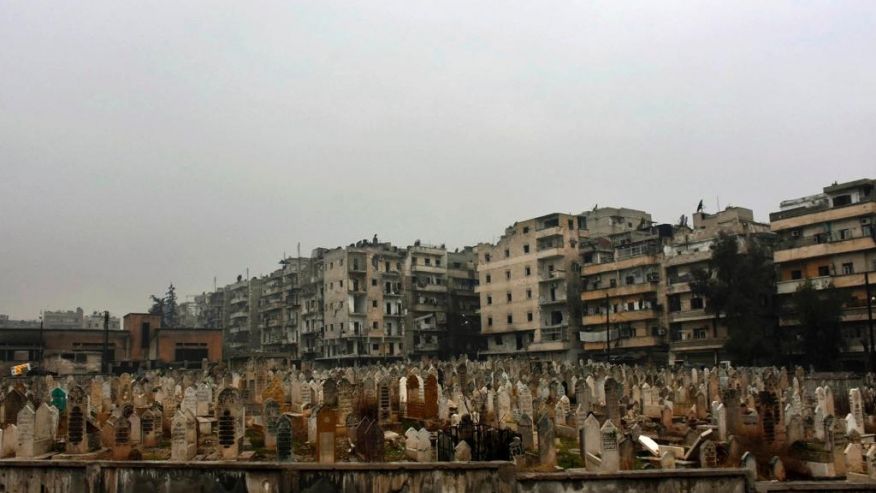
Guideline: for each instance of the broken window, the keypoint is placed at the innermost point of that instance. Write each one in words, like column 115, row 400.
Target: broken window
column 526, row 248
column 528, row 270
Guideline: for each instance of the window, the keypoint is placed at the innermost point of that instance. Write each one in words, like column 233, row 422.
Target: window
column 374, row 282
column 674, row 303
column 374, row 323
column 844, row 234
column 525, row 248
column 341, row 283
column 823, row 270
column 696, row 303
column 510, row 319
column 508, row 296
column 529, row 294
column 374, row 304
column 507, row 275
column 848, row 268
column 507, row 253
column 525, row 229
column 630, row 280
column 489, row 300
column 528, row 270
column 631, row 306
column 529, row 316
column 489, row 279
column 612, row 283
column 428, row 261
column 842, row 200
column 699, row 333
column 571, row 223
column 497, row 340
column 486, row 257
column 489, row 321
column 796, row 274
column 144, row 335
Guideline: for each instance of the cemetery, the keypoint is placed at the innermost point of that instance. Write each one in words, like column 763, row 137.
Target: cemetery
column 503, row 425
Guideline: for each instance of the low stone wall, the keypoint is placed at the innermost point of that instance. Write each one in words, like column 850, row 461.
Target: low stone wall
column 656, row 481
column 19, row 476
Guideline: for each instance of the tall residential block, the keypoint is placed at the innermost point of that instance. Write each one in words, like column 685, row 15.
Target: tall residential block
column 828, row 239
column 529, row 282
column 696, row 335
column 364, row 313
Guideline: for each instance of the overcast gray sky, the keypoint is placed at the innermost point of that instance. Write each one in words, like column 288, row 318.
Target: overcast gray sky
column 149, row 142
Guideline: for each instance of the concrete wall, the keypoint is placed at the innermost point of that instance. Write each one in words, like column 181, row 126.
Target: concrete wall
column 19, row 476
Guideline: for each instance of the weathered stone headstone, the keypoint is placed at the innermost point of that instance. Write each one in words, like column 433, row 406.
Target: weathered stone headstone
column 284, row 440
column 77, row 439
column 183, row 436
column 547, row 452
column 230, row 416
column 326, row 426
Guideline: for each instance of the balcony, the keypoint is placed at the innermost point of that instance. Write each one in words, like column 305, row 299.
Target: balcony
column 391, row 292
column 697, row 344
column 801, row 217
column 239, row 315
column 428, row 269
column 431, row 288
column 544, row 300
column 788, row 287
column 810, row 248
column 598, row 319
column 551, row 276
column 628, row 263
column 551, row 252
column 549, row 231
column 690, row 315
column 628, row 290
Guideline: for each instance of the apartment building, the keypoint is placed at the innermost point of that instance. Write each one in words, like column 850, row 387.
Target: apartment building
column 242, row 331
column 697, row 336
column 312, row 305
column 529, row 282
column 622, row 295
column 463, row 322
column 828, row 238
column 364, row 306
column 278, row 314
column 77, row 319
column 440, row 300
column 426, row 298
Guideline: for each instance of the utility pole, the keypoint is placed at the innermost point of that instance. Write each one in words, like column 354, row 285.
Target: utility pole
column 105, row 363
column 607, row 331
column 869, row 319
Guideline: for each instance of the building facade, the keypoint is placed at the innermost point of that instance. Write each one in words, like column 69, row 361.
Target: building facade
column 828, row 239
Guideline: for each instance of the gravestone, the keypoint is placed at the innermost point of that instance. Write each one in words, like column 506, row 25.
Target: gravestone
column 183, row 436
column 326, row 426
column 284, row 439
column 230, row 416
column 524, row 427
column 609, row 437
column 430, row 397
column 59, row 399
column 547, row 452
column 77, row 439
column 270, row 415
column 150, row 428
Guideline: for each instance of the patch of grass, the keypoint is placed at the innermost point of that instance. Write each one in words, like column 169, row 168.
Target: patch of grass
column 568, row 460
